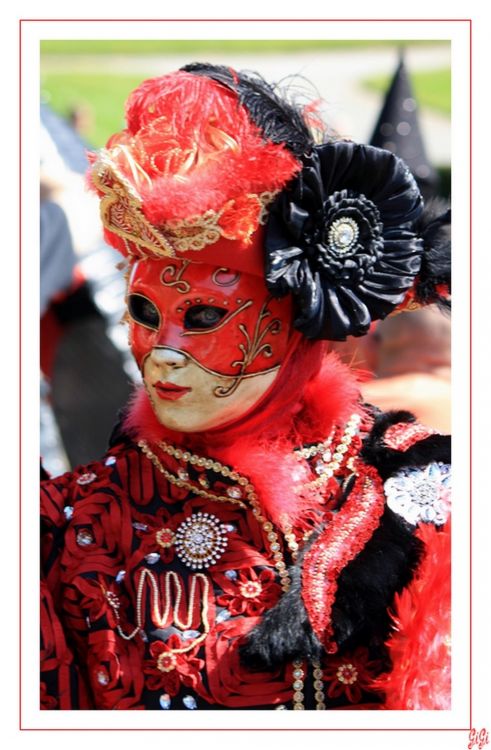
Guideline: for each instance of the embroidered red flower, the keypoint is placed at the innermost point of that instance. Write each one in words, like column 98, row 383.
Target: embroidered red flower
column 168, row 669
column 100, row 597
column 87, row 479
column 157, row 533
column 94, row 535
column 231, row 683
column 351, row 674
column 250, row 594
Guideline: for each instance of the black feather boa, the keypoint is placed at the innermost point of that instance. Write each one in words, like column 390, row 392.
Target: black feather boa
column 388, row 461
column 367, row 586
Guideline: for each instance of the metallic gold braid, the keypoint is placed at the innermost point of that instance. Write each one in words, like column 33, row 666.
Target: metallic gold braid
column 122, row 214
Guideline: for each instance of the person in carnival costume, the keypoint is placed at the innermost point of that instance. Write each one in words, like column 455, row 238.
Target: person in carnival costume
column 255, row 537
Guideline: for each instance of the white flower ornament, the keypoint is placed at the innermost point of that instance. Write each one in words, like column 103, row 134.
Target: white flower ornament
column 421, row 494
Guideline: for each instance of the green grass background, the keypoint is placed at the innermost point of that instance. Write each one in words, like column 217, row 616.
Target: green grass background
column 432, row 88
column 185, row 46
column 64, row 84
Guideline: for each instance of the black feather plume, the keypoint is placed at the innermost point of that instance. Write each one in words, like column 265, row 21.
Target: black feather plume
column 279, row 120
column 434, row 228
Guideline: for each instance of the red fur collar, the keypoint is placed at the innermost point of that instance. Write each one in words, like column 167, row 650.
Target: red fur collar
column 264, row 453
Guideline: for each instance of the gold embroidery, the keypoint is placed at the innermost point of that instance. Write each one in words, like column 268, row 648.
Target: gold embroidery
column 225, row 272
column 161, row 620
column 121, row 210
column 252, row 348
column 122, row 213
column 181, row 285
column 266, row 199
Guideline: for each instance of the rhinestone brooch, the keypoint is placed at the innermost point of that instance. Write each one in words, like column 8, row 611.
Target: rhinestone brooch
column 421, row 494
column 343, row 235
column 201, row 540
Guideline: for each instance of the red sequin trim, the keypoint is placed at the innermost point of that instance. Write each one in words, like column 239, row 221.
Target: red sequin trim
column 336, row 546
column 403, row 435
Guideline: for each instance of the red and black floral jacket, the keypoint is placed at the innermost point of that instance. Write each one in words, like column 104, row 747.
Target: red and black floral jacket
column 166, row 586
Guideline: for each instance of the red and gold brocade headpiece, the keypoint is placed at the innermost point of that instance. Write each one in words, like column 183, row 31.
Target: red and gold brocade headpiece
column 191, row 176
column 216, row 167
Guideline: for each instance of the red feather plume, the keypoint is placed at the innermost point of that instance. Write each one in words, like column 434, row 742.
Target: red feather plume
column 420, row 644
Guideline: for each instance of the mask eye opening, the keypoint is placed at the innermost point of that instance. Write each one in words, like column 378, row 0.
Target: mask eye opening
column 143, row 311
column 203, row 317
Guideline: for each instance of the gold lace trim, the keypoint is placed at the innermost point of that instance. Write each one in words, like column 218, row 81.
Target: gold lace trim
column 122, row 214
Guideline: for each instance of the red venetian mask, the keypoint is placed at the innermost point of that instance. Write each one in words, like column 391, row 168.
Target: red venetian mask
column 223, row 320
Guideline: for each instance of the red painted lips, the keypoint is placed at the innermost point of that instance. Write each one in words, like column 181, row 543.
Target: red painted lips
column 170, row 391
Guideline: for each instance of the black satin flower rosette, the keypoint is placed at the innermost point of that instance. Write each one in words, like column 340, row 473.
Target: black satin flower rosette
column 340, row 239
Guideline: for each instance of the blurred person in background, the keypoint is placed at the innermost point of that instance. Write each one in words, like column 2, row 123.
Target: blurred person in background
column 404, row 362
column 255, row 537
column 57, row 268
column 413, row 370
column 82, row 377
column 60, row 278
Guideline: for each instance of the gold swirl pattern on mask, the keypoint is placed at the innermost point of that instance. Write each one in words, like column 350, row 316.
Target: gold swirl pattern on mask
column 252, row 347
column 225, row 277
column 172, row 276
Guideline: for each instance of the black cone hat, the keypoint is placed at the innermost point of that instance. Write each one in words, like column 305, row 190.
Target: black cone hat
column 398, row 130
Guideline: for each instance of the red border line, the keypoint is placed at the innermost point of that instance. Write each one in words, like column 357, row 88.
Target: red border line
column 242, row 20
column 250, row 729
column 20, row 374
column 245, row 729
column 471, row 675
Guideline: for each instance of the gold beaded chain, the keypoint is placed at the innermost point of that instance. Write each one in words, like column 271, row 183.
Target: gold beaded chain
column 267, row 526
column 161, row 619
column 186, row 484
column 298, row 686
column 207, row 463
column 335, row 457
column 320, row 698
column 314, row 450
column 225, row 471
